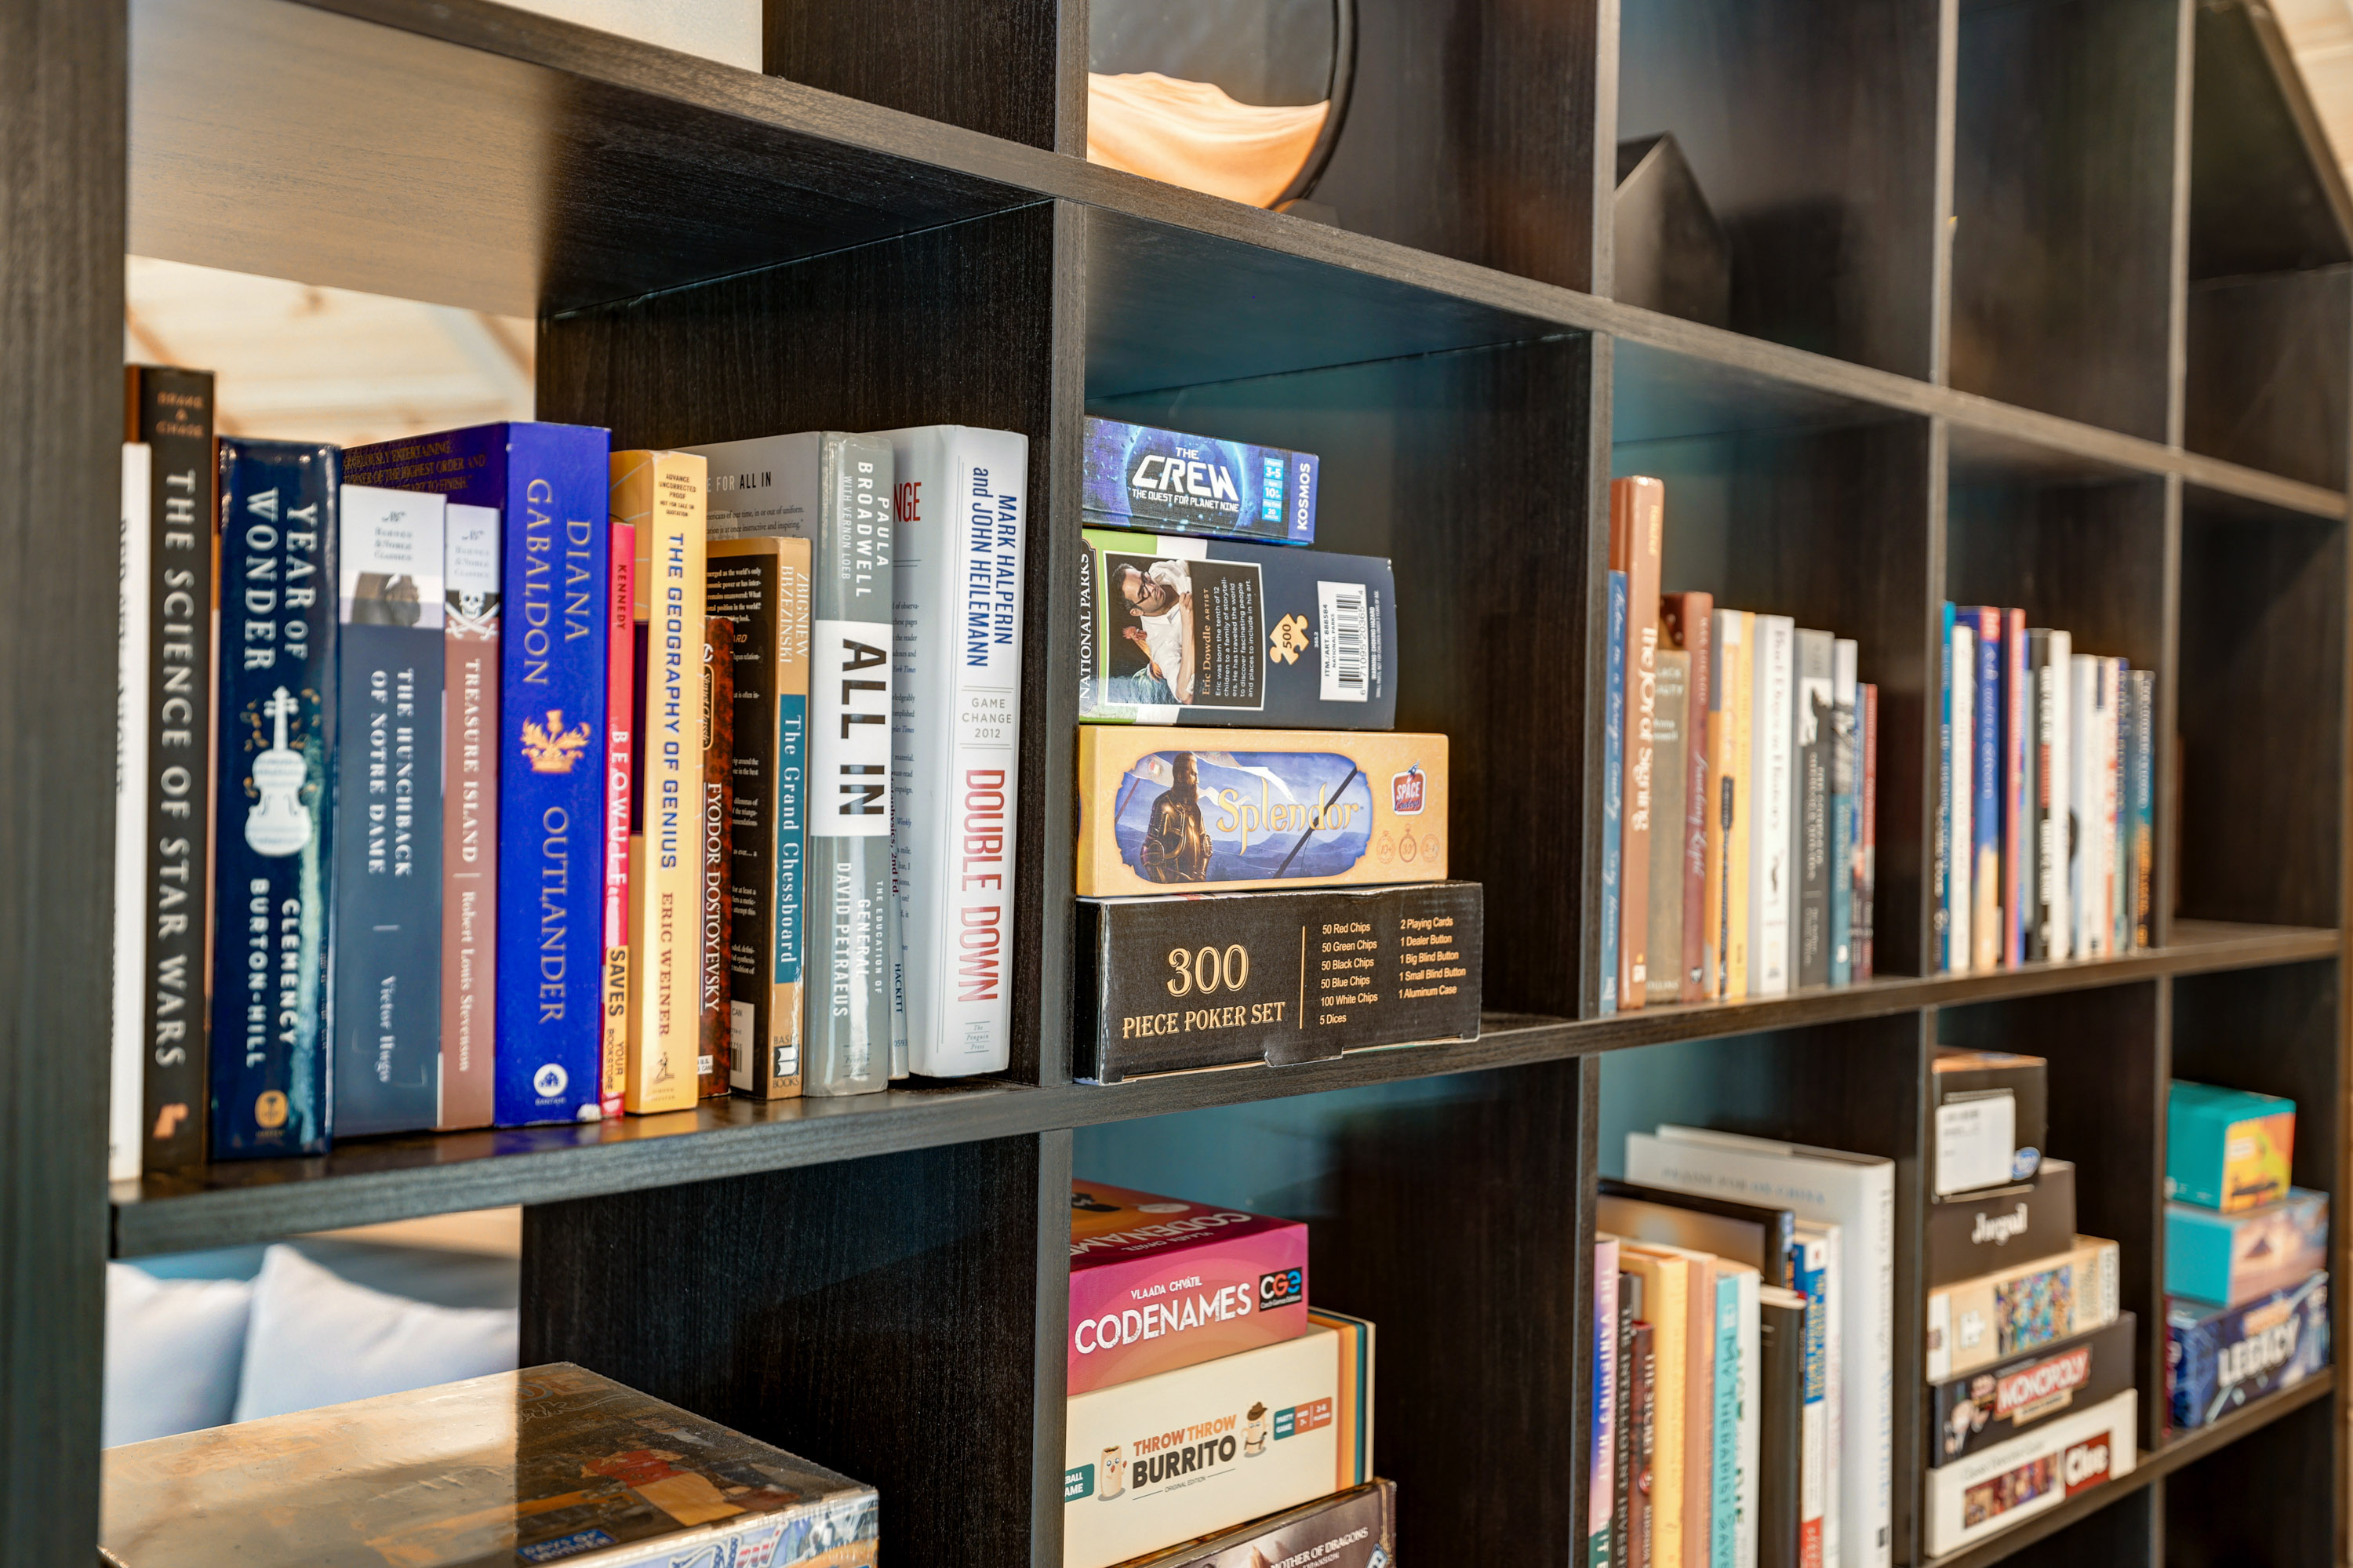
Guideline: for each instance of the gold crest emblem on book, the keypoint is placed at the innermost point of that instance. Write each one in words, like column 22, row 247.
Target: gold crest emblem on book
column 552, row 748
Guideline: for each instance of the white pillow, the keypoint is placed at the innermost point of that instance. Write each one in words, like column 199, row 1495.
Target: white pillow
column 316, row 1338
column 173, row 1349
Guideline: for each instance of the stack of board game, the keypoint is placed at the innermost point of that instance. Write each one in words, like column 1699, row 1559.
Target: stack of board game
column 1281, row 896
column 2046, row 783
column 2246, row 1255
column 553, row 1463
column 1205, row 1391
column 534, row 782
column 1740, row 774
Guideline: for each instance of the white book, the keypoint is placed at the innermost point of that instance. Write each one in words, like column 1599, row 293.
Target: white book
column 2059, row 859
column 1772, row 760
column 2084, row 887
column 955, row 737
column 1856, row 1192
column 1961, row 838
column 1819, row 1249
column 127, row 1082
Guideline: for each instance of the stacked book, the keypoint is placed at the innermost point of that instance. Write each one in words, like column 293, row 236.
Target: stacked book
column 534, row 782
column 2046, row 790
column 2246, row 1255
column 1740, row 789
column 1277, row 897
column 1206, row 1394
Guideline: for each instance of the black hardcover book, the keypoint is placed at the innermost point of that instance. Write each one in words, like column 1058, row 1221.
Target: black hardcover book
column 1622, row 1441
column 1216, row 980
column 1996, row 1403
column 1762, row 1238
column 274, row 819
column 1978, row 1233
column 1641, row 1430
column 1780, row 1437
column 172, row 412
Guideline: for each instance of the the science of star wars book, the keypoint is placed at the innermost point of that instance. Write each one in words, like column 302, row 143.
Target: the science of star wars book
column 1294, row 808
column 1168, row 481
column 1206, row 632
column 550, row 1464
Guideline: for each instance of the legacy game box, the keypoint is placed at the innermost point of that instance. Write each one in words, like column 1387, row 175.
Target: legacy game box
column 1355, row 1529
column 1204, row 631
column 1140, row 476
column 1976, row 1412
column 1213, row 980
column 2219, row 1357
column 1297, row 808
column 1161, row 1283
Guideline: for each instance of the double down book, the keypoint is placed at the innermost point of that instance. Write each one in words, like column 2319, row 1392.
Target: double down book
column 272, row 1085
column 1200, row 631
column 1171, row 482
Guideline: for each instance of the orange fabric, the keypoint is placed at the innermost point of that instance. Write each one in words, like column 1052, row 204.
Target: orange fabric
column 1191, row 135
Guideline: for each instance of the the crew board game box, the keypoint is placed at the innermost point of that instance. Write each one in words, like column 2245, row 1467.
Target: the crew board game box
column 1212, row 979
column 1140, row 476
column 1211, row 632
column 1990, row 1114
column 2219, row 1357
column 1977, row 1232
column 552, row 1464
column 2227, row 1148
column 1292, row 807
column 1975, row 1412
column 2226, row 1259
column 1989, row 1491
column 1355, row 1529
column 1160, row 1460
column 2032, row 1302
column 1161, row 1283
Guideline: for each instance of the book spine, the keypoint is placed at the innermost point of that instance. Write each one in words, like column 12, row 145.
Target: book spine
column 1960, row 834
column 960, row 502
column 1748, row 1412
column 386, row 926
column 1643, row 504
column 2114, row 791
column 170, row 413
column 1814, row 721
column 1621, row 1446
column 853, row 925
column 2017, row 804
column 273, row 877
column 1604, row 1407
column 1643, row 1433
column 661, row 495
column 1726, row 1508
column 557, row 570
column 2144, row 808
column 711, row 1048
column 1771, row 885
column 2082, row 741
column 1613, row 782
column 469, row 806
column 1985, row 807
column 621, row 699
column 1846, row 803
column 1866, row 880
column 1670, row 737
column 127, row 1057
column 1814, row 1416
column 1739, row 802
column 1693, row 618
column 1940, row 918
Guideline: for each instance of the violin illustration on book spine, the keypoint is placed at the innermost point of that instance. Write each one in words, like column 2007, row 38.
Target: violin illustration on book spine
column 279, row 824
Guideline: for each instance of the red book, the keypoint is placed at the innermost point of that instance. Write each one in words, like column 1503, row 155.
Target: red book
column 1866, row 879
column 1686, row 620
column 620, row 768
column 713, row 1047
column 1637, row 540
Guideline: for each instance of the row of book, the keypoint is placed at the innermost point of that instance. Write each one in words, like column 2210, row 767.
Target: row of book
column 494, row 777
column 1740, row 789
column 2046, row 789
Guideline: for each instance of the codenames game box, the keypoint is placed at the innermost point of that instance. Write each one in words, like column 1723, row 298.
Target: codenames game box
column 1207, row 631
column 1160, row 1283
column 1355, row 1529
column 1287, row 807
column 1141, row 476
column 1214, row 979
column 2219, row 1357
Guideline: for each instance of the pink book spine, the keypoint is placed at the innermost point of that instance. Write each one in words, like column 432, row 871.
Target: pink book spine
column 620, row 760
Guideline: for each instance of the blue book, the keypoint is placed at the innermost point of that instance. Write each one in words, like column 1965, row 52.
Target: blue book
column 387, row 968
column 2120, row 899
column 1613, row 762
column 274, row 809
column 2141, row 786
column 1985, row 812
column 550, row 485
column 1724, row 1510
column 1941, row 907
column 1809, row 1276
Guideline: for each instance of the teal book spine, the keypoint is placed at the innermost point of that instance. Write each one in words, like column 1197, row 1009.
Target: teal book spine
column 1723, row 1514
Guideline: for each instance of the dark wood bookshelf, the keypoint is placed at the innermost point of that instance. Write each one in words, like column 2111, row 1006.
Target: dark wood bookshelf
column 2045, row 303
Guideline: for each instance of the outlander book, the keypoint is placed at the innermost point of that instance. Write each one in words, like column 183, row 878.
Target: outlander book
column 163, row 858
column 762, row 585
column 275, row 816
column 718, row 811
column 621, row 800
column 834, row 490
column 548, row 484
column 960, row 498
column 1687, row 623
column 387, row 1005
column 1637, row 540
column 470, row 814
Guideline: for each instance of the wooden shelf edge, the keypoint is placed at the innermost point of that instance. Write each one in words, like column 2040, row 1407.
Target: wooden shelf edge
column 2153, row 1465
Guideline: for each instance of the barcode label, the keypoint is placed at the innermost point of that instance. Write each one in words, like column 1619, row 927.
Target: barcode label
column 1341, row 633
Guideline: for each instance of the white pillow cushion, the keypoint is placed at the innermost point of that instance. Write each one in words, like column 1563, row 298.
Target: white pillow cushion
column 316, row 1338
column 173, row 1351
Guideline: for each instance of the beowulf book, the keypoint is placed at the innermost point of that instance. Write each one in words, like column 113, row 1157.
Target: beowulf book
column 762, row 585
column 163, row 855
column 550, row 1464
column 620, row 802
column 1165, row 482
column 274, row 821
column 548, row 484
column 961, row 502
column 469, row 815
column 387, row 842
column 713, row 924
column 1199, row 631
column 834, row 490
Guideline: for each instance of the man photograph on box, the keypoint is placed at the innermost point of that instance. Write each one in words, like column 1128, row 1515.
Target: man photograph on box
column 1159, row 600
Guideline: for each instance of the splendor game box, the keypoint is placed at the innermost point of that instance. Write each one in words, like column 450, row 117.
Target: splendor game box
column 1355, row 1529
column 2219, row 1357
column 1160, row 1283
column 1169, row 482
column 552, row 1464
column 1207, row 631
column 1283, row 809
